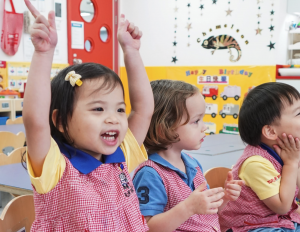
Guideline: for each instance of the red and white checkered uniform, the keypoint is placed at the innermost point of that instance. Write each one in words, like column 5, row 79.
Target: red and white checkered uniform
column 177, row 191
column 248, row 211
column 92, row 202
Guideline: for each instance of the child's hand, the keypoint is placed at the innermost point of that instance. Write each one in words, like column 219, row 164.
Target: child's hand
column 232, row 188
column 128, row 35
column 205, row 202
column 288, row 149
column 43, row 32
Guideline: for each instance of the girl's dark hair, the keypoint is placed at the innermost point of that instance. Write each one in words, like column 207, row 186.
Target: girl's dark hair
column 169, row 109
column 63, row 94
column 263, row 106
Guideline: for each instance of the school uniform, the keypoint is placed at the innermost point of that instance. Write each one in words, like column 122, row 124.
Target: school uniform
column 262, row 166
column 77, row 192
column 161, row 186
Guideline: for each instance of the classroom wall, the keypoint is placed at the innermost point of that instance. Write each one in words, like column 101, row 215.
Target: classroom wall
column 164, row 22
column 157, row 20
column 62, row 55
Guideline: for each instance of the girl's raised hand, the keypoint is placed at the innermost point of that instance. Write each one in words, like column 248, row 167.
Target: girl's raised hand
column 43, row 32
column 128, row 35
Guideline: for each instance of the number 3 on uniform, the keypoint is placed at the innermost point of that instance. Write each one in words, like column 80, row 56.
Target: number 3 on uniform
column 144, row 199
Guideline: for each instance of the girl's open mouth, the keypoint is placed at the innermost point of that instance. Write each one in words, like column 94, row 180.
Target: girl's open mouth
column 110, row 137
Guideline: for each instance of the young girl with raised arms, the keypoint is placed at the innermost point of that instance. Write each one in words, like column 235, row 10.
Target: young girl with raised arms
column 172, row 190
column 80, row 149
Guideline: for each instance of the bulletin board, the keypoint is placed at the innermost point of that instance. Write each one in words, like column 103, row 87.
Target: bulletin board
column 17, row 73
column 3, row 75
column 224, row 89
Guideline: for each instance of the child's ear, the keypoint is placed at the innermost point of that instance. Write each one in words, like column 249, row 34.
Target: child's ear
column 269, row 132
column 54, row 116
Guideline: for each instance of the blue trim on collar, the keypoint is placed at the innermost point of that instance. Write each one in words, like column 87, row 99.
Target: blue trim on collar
column 86, row 163
column 188, row 161
column 272, row 153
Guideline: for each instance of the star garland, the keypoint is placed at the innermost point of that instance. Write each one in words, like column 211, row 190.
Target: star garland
column 189, row 24
column 201, row 7
column 228, row 12
column 272, row 15
column 271, row 28
column 259, row 14
column 174, row 58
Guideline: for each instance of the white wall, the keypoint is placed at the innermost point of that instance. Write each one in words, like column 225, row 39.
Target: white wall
column 20, row 7
column 156, row 19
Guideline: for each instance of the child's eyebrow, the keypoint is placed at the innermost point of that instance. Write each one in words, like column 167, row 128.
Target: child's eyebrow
column 197, row 115
column 104, row 102
column 296, row 109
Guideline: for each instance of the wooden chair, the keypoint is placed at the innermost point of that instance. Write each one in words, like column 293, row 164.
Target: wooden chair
column 10, row 141
column 18, row 120
column 18, row 214
column 13, row 158
column 216, row 177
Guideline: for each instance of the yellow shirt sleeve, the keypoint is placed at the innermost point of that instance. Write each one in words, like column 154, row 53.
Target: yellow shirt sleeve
column 260, row 175
column 55, row 164
column 134, row 154
column 53, row 169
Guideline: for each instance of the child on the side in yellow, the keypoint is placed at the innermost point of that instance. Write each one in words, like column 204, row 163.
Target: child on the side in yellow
column 81, row 147
column 269, row 122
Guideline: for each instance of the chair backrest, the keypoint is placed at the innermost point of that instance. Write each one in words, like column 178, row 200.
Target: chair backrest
column 216, row 177
column 18, row 120
column 13, row 158
column 10, row 141
column 18, row 214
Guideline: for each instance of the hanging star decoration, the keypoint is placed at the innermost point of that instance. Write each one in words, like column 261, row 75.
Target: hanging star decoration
column 271, row 28
column 175, row 25
column 189, row 26
column 258, row 1
column 189, row 5
column 272, row 12
column 188, row 44
column 201, row 7
column 174, row 59
column 174, row 43
column 214, row 1
column 258, row 31
column 258, row 15
column 228, row 12
column 271, row 46
column 176, row 9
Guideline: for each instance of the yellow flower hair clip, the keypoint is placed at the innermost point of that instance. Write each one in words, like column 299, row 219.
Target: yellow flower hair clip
column 73, row 78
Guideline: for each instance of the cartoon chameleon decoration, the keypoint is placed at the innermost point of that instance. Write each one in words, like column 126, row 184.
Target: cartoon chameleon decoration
column 223, row 42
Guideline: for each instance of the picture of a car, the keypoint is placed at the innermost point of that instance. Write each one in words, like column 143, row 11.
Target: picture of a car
column 210, row 91
column 231, row 92
column 211, row 128
column 230, row 109
column 230, row 129
column 211, row 109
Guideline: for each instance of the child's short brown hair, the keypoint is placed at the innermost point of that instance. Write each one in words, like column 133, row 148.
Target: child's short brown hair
column 169, row 109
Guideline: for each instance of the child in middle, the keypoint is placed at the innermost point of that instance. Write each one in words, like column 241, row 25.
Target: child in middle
column 172, row 190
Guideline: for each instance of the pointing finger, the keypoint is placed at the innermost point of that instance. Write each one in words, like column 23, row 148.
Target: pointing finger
column 123, row 23
column 32, row 9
